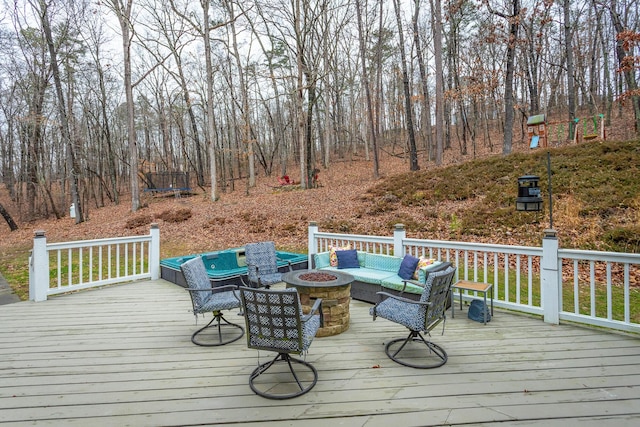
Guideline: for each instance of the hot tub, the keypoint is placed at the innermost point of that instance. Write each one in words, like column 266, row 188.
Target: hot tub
column 226, row 266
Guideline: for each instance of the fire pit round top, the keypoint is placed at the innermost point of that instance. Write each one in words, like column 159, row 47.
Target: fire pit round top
column 316, row 278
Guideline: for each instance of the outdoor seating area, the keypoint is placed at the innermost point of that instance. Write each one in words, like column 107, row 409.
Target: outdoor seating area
column 116, row 356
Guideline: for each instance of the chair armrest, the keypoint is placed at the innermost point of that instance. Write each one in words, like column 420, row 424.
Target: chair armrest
column 287, row 261
column 256, row 269
column 383, row 295
column 317, row 307
column 413, row 282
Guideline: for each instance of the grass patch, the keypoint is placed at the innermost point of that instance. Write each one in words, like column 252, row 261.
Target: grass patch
column 14, row 266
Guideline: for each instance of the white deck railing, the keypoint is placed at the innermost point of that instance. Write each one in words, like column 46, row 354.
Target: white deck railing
column 69, row 266
column 558, row 284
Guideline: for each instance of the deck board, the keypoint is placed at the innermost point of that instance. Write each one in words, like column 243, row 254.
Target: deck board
column 122, row 355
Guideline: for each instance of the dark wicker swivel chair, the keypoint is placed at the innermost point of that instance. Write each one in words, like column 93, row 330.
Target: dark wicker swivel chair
column 275, row 322
column 418, row 316
column 262, row 264
column 206, row 299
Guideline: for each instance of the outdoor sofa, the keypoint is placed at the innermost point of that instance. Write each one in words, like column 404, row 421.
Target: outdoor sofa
column 376, row 272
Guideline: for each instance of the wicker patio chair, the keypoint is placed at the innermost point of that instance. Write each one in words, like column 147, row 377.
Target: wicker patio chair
column 207, row 299
column 262, row 264
column 418, row 316
column 275, row 322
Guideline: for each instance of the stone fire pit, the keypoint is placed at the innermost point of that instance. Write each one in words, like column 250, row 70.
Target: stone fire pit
column 333, row 287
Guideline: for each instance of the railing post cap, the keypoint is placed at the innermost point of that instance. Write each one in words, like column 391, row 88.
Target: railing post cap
column 39, row 233
column 399, row 226
column 313, row 224
column 154, row 225
column 550, row 233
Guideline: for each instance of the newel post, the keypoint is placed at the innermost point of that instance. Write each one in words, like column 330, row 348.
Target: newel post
column 154, row 252
column 39, row 268
column 551, row 286
column 399, row 234
column 311, row 242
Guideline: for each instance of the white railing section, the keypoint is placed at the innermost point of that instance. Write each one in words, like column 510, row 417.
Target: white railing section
column 586, row 274
column 56, row 268
column 514, row 270
column 527, row 279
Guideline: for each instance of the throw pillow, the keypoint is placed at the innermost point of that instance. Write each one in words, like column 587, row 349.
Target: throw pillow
column 422, row 262
column 408, row 267
column 333, row 259
column 347, row 259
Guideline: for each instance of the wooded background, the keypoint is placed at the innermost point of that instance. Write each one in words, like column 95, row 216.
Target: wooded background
column 93, row 95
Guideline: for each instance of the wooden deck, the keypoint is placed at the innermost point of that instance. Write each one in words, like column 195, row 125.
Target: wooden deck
column 122, row 355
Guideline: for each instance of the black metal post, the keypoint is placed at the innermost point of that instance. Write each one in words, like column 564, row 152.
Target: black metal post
column 550, row 193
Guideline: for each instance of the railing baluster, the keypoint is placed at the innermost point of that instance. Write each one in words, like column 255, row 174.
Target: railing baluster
column 627, row 301
column 117, row 260
column 576, row 287
column 592, row 285
column 609, row 293
column 80, row 265
column 59, row 284
column 518, row 271
column 530, row 280
column 506, row 277
column 90, row 263
column 69, row 267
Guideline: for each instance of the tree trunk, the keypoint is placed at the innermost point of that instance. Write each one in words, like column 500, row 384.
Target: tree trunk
column 245, row 126
column 436, row 23
column 413, row 155
column 568, row 36
column 426, row 107
column 367, row 90
column 62, row 112
column 123, row 13
column 514, row 25
column 206, row 33
column 7, row 217
column 626, row 62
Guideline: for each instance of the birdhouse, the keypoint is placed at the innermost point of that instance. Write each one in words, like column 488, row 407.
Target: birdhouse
column 537, row 131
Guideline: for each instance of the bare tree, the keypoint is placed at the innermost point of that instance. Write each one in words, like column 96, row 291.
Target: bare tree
column 426, row 104
column 568, row 37
column 436, row 24
column 365, row 83
column 413, row 154
column 42, row 8
column 513, row 19
column 245, row 126
column 625, row 39
column 123, row 10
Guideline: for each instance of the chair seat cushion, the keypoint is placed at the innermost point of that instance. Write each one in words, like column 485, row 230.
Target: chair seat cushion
column 400, row 312
column 270, row 279
column 220, row 301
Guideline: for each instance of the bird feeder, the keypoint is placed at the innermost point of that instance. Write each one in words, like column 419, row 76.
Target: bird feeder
column 529, row 199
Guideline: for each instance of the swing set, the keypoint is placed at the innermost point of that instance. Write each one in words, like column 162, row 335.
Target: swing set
column 539, row 131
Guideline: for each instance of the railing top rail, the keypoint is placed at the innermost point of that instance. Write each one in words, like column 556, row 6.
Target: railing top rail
column 353, row 237
column 98, row 242
column 580, row 254
column 485, row 247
